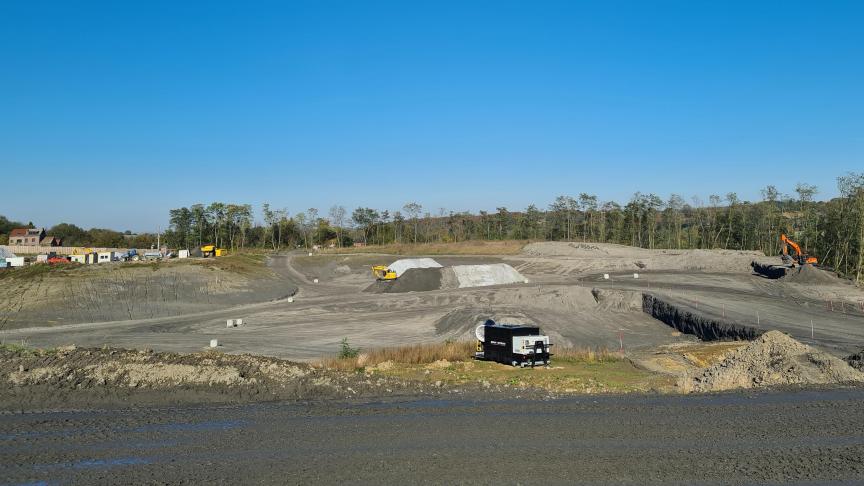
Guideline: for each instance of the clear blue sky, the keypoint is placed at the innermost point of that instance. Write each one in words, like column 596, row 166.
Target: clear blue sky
column 112, row 113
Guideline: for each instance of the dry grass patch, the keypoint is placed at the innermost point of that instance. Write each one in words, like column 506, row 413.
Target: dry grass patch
column 410, row 355
column 249, row 264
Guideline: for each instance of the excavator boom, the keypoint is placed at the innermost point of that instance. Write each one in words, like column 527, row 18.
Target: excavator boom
column 801, row 257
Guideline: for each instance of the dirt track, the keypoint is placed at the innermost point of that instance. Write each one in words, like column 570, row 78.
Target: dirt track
column 804, row 437
column 559, row 298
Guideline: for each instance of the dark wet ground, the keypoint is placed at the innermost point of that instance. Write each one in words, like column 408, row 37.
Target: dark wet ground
column 798, row 437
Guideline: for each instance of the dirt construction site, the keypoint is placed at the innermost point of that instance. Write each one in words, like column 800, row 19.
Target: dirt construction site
column 705, row 367
column 300, row 306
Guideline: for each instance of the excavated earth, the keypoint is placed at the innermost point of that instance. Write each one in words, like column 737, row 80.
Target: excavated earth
column 582, row 295
column 772, row 360
column 85, row 377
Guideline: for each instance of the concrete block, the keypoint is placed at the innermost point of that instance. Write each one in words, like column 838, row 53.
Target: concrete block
column 239, row 322
column 214, row 343
column 290, row 299
column 605, row 276
column 315, row 281
column 635, row 275
column 231, row 323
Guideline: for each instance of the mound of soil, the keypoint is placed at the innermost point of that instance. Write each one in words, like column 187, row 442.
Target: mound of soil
column 808, row 274
column 413, row 280
column 773, row 359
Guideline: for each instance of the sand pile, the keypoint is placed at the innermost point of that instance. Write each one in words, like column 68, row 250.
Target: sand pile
column 773, row 359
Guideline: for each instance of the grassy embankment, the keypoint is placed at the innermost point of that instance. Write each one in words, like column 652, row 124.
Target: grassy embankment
column 572, row 370
column 249, row 264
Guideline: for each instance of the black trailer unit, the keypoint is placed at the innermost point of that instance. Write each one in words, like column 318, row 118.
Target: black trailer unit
column 514, row 344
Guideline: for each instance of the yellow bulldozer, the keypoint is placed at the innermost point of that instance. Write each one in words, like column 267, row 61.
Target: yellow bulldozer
column 212, row 251
column 381, row 272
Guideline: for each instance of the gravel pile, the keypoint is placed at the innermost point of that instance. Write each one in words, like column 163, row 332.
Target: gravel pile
column 773, row 359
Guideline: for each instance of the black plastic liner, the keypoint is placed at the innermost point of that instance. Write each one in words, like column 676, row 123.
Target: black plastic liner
column 770, row 271
column 688, row 322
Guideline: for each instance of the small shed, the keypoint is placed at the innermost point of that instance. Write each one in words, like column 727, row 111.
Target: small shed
column 105, row 257
column 84, row 258
column 183, row 254
column 15, row 261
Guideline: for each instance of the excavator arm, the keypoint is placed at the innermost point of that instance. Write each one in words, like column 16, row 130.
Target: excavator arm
column 801, row 257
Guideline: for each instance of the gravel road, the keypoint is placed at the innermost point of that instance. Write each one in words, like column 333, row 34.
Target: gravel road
column 809, row 437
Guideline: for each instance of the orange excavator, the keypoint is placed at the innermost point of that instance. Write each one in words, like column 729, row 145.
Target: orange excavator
column 799, row 256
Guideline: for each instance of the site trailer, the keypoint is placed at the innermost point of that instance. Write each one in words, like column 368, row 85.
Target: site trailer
column 515, row 344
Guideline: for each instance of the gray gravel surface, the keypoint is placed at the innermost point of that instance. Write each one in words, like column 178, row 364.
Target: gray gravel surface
column 804, row 437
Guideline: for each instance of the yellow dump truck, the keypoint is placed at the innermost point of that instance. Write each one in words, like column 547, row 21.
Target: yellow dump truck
column 211, row 250
column 381, row 272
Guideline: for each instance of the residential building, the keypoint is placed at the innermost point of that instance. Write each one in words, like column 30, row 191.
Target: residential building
column 26, row 236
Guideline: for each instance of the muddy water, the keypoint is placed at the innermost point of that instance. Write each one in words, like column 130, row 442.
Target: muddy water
column 806, row 437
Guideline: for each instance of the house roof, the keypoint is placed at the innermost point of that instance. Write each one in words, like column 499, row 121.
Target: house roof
column 50, row 238
column 19, row 232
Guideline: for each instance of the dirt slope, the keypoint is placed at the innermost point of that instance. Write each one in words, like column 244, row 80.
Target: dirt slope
column 43, row 296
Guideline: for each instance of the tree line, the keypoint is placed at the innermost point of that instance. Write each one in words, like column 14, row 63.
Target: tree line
column 832, row 230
